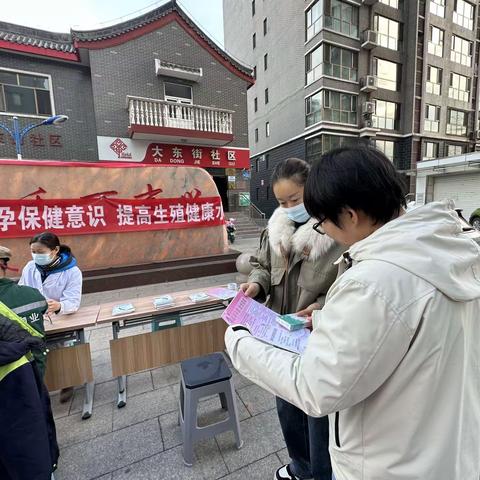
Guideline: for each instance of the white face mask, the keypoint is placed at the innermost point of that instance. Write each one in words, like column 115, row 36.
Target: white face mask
column 298, row 213
column 42, row 258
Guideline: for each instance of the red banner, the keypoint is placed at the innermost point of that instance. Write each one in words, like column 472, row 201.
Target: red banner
column 25, row 218
column 219, row 157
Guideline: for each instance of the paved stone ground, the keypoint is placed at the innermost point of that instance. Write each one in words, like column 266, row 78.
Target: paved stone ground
column 142, row 440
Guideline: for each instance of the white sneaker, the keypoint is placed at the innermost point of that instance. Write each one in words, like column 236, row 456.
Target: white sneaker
column 284, row 473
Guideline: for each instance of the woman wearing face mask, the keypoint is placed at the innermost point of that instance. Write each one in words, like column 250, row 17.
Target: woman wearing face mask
column 54, row 272
column 293, row 270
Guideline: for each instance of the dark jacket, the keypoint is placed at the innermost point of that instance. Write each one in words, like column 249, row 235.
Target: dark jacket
column 27, row 430
column 29, row 304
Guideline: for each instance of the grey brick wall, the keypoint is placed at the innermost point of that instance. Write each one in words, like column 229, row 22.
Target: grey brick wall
column 129, row 69
column 73, row 97
column 266, row 200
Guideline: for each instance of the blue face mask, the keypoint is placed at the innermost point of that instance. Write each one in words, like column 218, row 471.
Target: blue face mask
column 42, row 258
column 298, row 213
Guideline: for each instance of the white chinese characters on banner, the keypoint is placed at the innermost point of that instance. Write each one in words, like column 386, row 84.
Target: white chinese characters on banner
column 25, row 218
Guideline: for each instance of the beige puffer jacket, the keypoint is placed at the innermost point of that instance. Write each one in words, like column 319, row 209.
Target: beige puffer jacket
column 294, row 266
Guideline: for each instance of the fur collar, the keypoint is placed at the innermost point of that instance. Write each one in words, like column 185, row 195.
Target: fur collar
column 283, row 237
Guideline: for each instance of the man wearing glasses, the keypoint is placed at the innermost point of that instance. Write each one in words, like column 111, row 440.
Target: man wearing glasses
column 394, row 355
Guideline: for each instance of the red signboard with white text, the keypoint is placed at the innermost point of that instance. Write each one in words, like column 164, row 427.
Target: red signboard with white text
column 79, row 216
column 144, row 151
column 220, row 157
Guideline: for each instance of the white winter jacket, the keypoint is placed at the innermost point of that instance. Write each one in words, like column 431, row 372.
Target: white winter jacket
column 394, row 357
column 64, row 287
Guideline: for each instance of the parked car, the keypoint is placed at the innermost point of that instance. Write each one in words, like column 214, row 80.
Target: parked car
column 475, row 219
column 470, row 231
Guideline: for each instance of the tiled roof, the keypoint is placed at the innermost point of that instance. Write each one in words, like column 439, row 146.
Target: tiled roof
column 33, row 37
column 65, row 42
column 145, row 19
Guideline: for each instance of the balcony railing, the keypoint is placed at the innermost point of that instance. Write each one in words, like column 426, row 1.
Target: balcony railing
column 160, row 113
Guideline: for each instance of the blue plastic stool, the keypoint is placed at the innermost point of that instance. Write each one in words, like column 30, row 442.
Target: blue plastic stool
column 203, row 376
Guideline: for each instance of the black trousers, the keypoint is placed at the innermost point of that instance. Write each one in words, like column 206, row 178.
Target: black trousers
column 28, row 445
column 307, row 442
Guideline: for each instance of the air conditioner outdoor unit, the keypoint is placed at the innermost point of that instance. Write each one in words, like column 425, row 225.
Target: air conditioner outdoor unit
column 368, row 108
column 368, row 83
column 369, row 39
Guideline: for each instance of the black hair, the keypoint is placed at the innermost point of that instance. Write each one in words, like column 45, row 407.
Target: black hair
column 293, row 169
column 358, row 177
column 51, row 241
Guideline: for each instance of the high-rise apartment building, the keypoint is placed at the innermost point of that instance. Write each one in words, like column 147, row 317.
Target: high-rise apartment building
column 401, row 74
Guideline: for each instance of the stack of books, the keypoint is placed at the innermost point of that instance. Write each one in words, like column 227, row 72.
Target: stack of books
column 122, row 309
column 199, row 297
column 163, row 302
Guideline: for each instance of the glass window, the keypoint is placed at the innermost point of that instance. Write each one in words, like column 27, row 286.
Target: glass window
column 386, row 115
column 25, row 94
column 437, row 7
column 336, row 15
column 387, row 147
column 331, row 106
column 255, row 72
column 255, row 104
column 265, row 61
column 434, row 80
column 432, row 118
column 387, row 74
column 176, row 92
column 459, row 88
column 266, row 96
column 267, row 129
column 463, row 14
column 461, row 51
column 388, row 32
column 456, row 122
column 435, row 41
column 316, row 146
column 256, row 135
column 341, row 17
column 391, row 3
column 453, row 150
column 265, row 26
column 254, row 40
column 337, row 62
column 431, row 151
column 253, row 8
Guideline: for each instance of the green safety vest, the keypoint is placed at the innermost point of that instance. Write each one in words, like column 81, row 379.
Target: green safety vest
column 10, row 367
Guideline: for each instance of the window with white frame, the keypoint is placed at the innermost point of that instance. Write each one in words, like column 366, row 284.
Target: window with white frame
column 387, row 147
column 434, row 80
column 387, row 74
column 463, row 14
column 457, row 122
column 25, row 93
column 386, row 115
column 431, row 151
column 435, row 41
column 331, row 106
column 462, row 51
column 388, row 32
column 390, row 3
column 437, row 7
column 331, row 60
column 432, row 118
column 453, row 150
column 313, row 19
column 459, row 88
column 179, row 93
column 333, row 14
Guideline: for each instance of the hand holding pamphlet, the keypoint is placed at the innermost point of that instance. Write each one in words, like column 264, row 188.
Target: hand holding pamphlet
column 262, row 323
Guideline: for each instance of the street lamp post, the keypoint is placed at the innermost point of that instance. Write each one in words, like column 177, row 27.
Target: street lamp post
column 18, row 134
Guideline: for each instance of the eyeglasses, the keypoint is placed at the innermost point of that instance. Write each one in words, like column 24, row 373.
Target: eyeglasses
column 318, row 226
